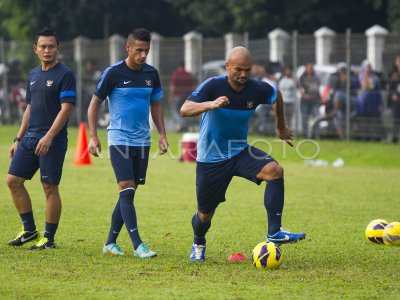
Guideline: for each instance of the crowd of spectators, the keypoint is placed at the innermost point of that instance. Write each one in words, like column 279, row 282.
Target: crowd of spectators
column 374, row 109
column 374, row 98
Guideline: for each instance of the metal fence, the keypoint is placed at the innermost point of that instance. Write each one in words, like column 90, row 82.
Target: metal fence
column 16, row 59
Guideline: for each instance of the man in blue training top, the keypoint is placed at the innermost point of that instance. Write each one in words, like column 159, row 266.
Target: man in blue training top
column 133, row 88
column 227, row 103
column 41, row 142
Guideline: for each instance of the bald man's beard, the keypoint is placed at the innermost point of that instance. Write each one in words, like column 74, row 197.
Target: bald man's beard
column 241, row 81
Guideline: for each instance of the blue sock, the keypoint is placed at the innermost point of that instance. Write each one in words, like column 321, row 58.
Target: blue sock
column 273, row 201
column 128, row 213
column 28, row 221
column 199, row 229
column 116, row 224
column 50, row 231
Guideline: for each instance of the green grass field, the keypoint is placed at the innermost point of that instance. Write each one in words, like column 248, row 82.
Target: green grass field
column 333, row 205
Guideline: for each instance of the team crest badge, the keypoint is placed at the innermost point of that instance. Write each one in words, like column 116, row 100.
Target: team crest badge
column 250, row 103
column 148, row 82
column 49, row 82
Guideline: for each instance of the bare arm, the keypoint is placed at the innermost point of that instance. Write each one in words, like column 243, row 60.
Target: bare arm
column 282, row 131
column 62, row 118
column 158, row 118
column 93, row 114
column 192, row 109
column 22, row 129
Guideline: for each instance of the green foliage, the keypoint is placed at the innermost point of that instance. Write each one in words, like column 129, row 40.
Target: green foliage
column 17, row 19
column 394, row 15
column 20, row 19
column 71, row 18
column 333, row 205
column 258, row 17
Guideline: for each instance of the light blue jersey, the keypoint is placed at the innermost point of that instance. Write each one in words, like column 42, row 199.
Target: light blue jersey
column 223, row 131
column 129, row 94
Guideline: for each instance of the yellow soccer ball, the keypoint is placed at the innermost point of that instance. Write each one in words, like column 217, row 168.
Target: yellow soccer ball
column 391, row 234
column 374, row 231
column 266, row 255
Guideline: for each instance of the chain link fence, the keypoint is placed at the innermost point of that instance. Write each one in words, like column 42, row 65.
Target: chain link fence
column 93, row 56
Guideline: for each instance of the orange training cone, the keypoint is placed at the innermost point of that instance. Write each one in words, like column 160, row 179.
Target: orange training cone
column 81, row 152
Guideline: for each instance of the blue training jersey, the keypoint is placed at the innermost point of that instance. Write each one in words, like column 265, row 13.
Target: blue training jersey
column 129, row 94
column 223, row 131
column 45, row 93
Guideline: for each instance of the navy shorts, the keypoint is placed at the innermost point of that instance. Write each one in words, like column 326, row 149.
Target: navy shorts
column 25, row 162
column 130, row 162
column 212, row 179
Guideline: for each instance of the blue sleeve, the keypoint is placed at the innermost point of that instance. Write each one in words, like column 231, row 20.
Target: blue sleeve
column 157, row 93
column 68, row 88
column 270, row 93
column 105, row 85
column 203, row 92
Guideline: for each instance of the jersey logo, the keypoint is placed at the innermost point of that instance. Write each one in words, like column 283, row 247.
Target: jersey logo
column 126, row 82
column 148, row 82
column 49, row 83
column 250, row 103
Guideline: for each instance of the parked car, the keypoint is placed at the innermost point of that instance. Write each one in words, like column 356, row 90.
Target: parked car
column 213, row 68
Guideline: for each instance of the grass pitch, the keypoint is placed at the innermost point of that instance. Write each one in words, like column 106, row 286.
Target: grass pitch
column 333, row 205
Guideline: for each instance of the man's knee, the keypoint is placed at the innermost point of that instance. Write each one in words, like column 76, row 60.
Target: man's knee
column 127, row 184
column 271, row 171
column 14, row 182
column 205, row 217
column 277, row 171
column 49, row 189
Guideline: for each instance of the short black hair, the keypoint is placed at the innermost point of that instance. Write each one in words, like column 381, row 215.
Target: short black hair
column 140, row 34
column 46, row 31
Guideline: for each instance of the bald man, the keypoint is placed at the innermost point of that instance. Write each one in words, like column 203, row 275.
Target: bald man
column 227, row 103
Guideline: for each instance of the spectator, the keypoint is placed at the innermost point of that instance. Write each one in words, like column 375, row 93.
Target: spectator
column 309, row 89
column 287, row 86
column 181, row 85
column 335, row 110
column 90, row 77
column 394, row 97
column 369, row 102
column 265, row 112
column 270, row 77
column 16, row 92
column 335, row 107
column 257, row 71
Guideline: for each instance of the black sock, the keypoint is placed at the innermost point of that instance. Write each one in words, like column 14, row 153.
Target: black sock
column 116, row 224
column 128, row 213
column 199, row 229
column 273, row 201
column 28, row 221
column 50, row 231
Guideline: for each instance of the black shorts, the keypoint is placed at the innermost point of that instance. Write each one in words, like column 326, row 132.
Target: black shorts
column 25, row 162
column 130, row 162
column 212, row 179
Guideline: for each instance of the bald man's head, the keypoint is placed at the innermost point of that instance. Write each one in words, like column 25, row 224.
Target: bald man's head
column 238, row 67
column 239, row 53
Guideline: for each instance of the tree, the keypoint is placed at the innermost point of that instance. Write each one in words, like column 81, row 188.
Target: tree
column 258, row 17
column 20, row 19
column 15, row 19
column 394, row 15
